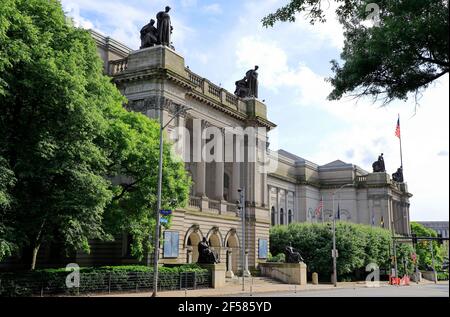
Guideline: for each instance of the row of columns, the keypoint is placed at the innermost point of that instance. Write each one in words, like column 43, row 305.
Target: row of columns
column 219, row 172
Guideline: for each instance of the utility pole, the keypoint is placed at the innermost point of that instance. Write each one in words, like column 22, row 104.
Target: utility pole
column 242, row 209
column 334, row 252
column 158, row 209
column 432, row 261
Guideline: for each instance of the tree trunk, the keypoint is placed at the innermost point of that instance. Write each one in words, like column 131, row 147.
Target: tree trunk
column 34, row 256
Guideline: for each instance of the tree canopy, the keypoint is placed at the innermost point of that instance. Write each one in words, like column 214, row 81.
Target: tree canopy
column 403, row 51
column 74, row 164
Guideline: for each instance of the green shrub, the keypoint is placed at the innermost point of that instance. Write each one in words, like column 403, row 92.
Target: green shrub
column 357, row 245
column 280, row 257
column 102, row 279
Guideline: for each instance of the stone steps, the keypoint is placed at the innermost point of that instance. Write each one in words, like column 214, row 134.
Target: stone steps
column 260, row 280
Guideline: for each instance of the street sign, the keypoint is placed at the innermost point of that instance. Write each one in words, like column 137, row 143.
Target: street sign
column 163, row 221
column 332, row 253
column 165, row 212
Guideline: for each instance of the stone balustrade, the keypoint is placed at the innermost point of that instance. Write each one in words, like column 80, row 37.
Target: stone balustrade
column 214, row 205
column 118, row 66
column 195, row 202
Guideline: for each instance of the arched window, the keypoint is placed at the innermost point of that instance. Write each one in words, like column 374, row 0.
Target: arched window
column 289, row 216
column 281, row 216
column 272, row 214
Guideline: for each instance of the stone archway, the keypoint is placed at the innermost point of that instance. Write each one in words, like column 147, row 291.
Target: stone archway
column 232, row 244
column 215, row 241
column 192, row 239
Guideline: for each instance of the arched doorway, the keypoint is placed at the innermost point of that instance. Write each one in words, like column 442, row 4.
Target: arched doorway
column 192, row 239
column 215, row 241
column 232, row 244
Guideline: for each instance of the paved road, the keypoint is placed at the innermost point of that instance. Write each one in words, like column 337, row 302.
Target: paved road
column 427, row 290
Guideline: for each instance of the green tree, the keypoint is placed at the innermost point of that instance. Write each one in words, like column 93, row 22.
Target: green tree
column 423, row 247
column 134, row 151
column 71, row 157
column 403, row 52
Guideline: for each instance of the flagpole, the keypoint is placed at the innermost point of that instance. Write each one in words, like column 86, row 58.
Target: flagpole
column 401, row 152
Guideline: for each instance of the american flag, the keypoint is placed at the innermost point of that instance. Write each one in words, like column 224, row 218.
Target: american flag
column 397, row 129
column 319, row 208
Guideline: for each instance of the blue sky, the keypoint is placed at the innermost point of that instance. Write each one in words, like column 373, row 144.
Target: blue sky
column 221, row 40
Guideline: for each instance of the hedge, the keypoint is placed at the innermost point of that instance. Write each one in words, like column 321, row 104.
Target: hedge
column 357, row 245
column 102, row 279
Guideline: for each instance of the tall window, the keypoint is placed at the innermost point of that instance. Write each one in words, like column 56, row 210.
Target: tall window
column 289, row 216
column 281, row 216
column 272, row 214
column 226, row 186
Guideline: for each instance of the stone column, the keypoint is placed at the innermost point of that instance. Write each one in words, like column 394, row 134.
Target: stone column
column 189, row 254
column 200, row 165
column 246, row 271
column 219, row 173
column 229, row 272
column 236, row 181
column 218, row 184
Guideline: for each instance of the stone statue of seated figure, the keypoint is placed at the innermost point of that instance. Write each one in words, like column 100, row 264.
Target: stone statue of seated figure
column 242, row 88
column 149, row 35
column 205, row 254
column 292, row 255
column 378, row 166
column 398, row 176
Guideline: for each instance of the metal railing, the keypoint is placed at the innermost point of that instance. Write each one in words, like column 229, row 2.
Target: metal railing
column 28, row 284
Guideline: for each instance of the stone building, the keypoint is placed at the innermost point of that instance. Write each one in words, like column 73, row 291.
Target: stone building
column 280, row 187
column 290, row 192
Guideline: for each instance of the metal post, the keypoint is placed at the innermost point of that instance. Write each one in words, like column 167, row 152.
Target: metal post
column 158, row 216
column 156, row 246
column 395, row 258
column 334, row 247
column 432, row 261
column 242, row 202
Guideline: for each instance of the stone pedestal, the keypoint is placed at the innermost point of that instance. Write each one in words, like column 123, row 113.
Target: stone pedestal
column 217, row 274
column 315, row 278
column 289, row 273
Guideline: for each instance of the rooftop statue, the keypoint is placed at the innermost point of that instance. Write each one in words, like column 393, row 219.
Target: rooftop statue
column 164, row 27
column 248, row 86
column 398, row 176
column 149, row 35
column 378, row 166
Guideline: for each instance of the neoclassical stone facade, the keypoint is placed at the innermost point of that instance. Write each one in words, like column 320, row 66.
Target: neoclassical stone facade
column 281, row 188
column 157, row 77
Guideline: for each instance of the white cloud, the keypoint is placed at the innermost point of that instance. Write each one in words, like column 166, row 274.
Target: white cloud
column 213, row 8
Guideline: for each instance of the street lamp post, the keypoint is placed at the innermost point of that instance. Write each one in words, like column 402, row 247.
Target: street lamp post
column 242, row 209
column 334, row 235
column 158, row 216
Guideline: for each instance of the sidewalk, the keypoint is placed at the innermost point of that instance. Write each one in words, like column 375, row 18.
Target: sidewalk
column 256, row 289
